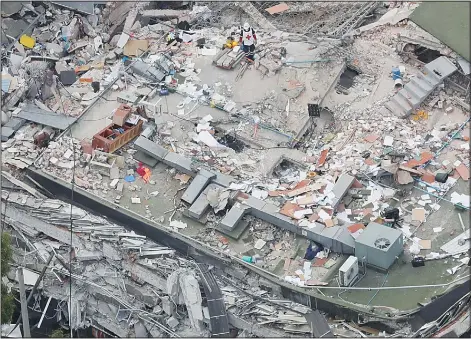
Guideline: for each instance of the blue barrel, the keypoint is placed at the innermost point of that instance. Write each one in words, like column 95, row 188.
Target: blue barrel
column 247, row 258
column 396, row 73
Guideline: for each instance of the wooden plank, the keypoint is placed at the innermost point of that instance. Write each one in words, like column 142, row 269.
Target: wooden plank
column 411, row 170
column 302, row 190
column 227, row 62
column 221, row 60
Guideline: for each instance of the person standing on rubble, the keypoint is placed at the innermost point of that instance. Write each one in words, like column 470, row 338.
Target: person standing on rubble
column 248, row 39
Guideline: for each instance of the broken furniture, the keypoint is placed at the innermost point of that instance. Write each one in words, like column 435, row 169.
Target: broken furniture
column 113, row 136
column 151, row 106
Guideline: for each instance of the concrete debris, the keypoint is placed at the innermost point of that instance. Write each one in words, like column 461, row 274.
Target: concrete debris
column 348, row 116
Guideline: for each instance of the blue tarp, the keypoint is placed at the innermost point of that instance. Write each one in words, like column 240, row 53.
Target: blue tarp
column 5, row 85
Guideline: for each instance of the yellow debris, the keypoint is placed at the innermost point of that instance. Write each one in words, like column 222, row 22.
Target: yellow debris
column 27, row 41
column 420, row 115
column 311, row 174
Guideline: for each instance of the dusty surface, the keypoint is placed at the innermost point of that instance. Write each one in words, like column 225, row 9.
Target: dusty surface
column 270, row 113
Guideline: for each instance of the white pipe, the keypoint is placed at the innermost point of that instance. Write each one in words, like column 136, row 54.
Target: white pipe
column 44, row 312
column 398, row 83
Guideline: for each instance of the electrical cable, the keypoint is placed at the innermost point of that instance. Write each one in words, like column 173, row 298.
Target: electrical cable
column 70, row 215
column 377, row 291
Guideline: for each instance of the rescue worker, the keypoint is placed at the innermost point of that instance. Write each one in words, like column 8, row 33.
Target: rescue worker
column 248, row 39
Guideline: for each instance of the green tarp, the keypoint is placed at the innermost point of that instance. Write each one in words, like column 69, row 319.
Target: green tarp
column 448, row 22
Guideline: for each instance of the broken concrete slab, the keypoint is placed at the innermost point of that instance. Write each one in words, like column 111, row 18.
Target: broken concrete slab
column 84, row 255
column 201, row 204
column 110, row 252
column 192, row 295
column 145, row 159
column 179, row 162
column 163, row 13
column 167, row 305
column 145, row 274
column 150, row 148
column 32, row 113
column 341, row 188
column 198, row 184
column 232, row 218
column 86, row 7
column 60, row 234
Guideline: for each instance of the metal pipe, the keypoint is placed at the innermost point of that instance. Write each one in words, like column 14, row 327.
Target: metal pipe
column 24, row 304
column 44, row 312
column 307, row 61
column 34, row 289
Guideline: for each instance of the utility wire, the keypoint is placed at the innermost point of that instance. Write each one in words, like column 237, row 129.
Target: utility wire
column 70, row 219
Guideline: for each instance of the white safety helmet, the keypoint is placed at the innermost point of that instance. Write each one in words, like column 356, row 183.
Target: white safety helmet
column 246, row 26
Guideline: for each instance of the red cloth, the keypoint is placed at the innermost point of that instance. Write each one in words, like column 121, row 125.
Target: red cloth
column 140, row 170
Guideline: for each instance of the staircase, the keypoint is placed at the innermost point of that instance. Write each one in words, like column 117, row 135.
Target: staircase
column 411, row 96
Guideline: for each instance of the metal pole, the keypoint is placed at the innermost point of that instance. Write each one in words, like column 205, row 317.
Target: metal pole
column 24, row 304
column 34, row 288
column 44, row 312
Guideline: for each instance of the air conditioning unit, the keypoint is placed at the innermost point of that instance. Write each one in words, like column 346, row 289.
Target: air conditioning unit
column 348, row 272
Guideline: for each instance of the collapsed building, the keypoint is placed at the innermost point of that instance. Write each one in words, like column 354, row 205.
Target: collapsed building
column 311, row 177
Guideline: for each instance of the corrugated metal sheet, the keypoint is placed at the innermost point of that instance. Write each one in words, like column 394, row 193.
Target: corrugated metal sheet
column 448, row 21
column 454, row 247
column 319, row 326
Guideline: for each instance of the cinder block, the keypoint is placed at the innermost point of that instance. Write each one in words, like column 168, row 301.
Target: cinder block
column 198, row 184
column 232, row 218
column 179, row 162
column 150, row 148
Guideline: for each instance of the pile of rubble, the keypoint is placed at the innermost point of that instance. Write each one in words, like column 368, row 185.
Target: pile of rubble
column 176, row 76
column 122, row 282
